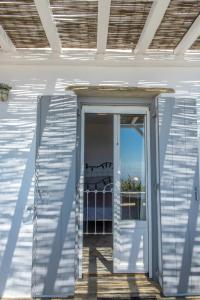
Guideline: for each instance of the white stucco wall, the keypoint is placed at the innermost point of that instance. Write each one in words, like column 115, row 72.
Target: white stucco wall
column 17, row 146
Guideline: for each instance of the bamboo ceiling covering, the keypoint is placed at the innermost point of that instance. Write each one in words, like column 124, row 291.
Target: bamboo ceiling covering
column 196, row 45
column 76, row 22
column 127, row 19
column 177, row 20
column 21, row 22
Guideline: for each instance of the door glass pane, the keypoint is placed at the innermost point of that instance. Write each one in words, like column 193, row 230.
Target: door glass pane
column 132, row 167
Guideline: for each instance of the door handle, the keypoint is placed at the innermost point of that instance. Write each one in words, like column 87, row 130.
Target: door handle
column 196, row 193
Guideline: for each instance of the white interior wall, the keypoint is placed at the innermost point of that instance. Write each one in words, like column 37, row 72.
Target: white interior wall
column 17, row 147
column 98, row 141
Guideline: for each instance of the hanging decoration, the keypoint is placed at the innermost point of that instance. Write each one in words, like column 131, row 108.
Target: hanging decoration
column 4, row 91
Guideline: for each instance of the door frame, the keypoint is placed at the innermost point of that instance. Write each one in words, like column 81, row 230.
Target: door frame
column 113, row 109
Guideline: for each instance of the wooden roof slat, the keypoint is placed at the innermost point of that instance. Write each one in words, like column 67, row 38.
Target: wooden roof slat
column 153, row 21
column 196, row 45
column 130, row 25
column 127, row 19
column 45, row 13
column 76, row 22
column 103, row 23
column 5, row 42
column 189, row 38
column 18, row 14
column 176, row 22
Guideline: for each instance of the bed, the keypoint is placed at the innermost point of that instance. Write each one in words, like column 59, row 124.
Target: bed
column 98, row 197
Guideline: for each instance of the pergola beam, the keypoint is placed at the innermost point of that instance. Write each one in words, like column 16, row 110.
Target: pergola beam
column 134, row 120
column 46, row 16
column 103, row 23
column 5, row 42
column 189, row 38
column 153, row 21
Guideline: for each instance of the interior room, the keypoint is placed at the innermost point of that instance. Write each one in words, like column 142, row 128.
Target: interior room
column 98, row 185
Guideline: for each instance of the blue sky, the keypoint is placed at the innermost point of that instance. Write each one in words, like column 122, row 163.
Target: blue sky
column 131, row 153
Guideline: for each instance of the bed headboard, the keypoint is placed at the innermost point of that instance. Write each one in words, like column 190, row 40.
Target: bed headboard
column 98, row 176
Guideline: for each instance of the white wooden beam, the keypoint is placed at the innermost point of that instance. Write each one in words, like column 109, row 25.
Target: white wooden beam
column 86, row 58
column 5, row 42
column 103, row 23
column 189, row 38
column 153, row 21
column 46, row 16
column 134, row 120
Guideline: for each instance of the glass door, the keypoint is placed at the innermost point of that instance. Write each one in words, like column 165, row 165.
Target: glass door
column 130, row 194
column 132, row 167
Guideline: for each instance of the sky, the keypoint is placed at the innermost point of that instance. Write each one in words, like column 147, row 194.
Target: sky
column 131, row 153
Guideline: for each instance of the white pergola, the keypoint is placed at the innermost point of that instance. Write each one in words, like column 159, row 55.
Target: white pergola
column 140, row 55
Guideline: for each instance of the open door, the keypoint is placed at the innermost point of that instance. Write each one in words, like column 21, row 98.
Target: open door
column 130, row 200
column 131, row 211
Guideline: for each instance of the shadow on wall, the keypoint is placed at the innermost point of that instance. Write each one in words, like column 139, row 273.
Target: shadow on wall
column 17, row 162
column 54, row 228
column 179, row 203
column 17, row 153
column 17, row 149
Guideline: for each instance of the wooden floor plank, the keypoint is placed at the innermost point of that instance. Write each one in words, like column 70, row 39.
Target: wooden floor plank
column 98, row 278
column 99, row 282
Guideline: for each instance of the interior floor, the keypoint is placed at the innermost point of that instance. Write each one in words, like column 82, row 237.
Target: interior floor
column 97, row 254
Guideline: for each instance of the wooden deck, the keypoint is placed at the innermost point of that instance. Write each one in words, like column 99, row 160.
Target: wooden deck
column 99, row 283
column 116, row 286
column 98, row 280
